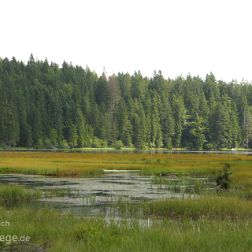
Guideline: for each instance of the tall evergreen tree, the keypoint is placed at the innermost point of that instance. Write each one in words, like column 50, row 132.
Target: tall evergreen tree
column 43, row 105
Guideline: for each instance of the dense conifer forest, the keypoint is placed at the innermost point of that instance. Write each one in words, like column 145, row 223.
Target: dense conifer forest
column 43, row 105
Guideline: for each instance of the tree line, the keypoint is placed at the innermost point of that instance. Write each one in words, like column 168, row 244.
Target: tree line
column 43, row 105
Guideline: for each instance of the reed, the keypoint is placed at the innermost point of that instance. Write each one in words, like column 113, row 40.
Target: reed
column 64, row 233
column 14, row 195
column 204, row 207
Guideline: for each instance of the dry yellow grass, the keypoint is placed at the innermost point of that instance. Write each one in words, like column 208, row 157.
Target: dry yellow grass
column 84, row 164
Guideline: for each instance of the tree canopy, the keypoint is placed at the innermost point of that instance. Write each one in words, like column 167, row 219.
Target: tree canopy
column 43, row 105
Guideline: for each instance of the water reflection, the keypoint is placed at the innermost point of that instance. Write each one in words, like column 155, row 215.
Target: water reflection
column 102, row 196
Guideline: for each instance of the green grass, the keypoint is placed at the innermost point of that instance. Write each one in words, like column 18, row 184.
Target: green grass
column 208, row 207
column 14, row 195
column 67, row 233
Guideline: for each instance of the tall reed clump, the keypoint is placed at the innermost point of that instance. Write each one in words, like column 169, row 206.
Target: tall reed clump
column 15, row 195
column 210, row 207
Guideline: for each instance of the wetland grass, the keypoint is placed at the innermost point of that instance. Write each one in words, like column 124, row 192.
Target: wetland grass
column 206, row 207
column 15, row 195
column 210, row 222
column 60, row 164
column 68, row 233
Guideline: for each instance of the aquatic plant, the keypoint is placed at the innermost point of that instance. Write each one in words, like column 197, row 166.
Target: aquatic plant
column 15, row 195
column 223, row 180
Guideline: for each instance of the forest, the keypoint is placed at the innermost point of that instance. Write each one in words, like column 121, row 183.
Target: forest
column 44, row 105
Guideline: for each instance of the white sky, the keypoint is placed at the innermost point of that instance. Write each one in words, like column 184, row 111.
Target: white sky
column 174, row 36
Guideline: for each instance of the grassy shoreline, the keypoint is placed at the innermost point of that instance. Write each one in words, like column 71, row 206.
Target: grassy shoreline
column 220, row 222
column 74, row 164
column 123, row 149
column 67, row 233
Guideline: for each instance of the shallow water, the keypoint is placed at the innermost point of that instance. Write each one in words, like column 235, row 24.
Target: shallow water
column 98, row 196
column 112, row 150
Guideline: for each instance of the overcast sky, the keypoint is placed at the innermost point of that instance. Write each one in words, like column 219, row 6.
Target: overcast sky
column 174, row 36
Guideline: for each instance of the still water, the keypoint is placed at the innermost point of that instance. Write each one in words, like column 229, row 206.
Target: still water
column 98, row 196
